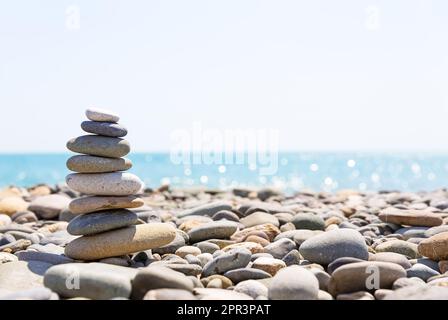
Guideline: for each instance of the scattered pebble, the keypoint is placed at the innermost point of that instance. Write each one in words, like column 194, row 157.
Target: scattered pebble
column 294, row 283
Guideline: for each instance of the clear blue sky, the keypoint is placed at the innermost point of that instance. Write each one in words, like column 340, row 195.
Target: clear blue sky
column 329, row 75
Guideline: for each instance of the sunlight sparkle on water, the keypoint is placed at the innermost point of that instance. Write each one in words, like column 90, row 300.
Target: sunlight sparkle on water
column 351, row 163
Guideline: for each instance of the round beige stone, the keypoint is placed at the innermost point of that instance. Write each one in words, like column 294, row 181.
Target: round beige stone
column 40, row 190
column 270, row 265
column 11, row 192
column 4, row 219
column 92, row 164
column 436, row 247
column 183, row 251
column 11, row 205
column 190, row 224
column 225, row 282
column 253, row 247
column 97, row 203
column 268, row 228
column 261, row 241
column 120, row 242
column 257, row 218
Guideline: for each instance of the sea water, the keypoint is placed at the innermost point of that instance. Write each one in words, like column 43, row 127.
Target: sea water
column 294, row 171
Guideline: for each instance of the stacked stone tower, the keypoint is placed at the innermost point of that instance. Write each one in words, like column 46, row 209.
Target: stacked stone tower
column 106, row 225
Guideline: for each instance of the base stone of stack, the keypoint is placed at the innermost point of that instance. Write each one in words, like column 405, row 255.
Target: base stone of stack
column 121, row 241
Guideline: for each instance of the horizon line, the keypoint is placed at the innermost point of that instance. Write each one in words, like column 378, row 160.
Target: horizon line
column 317, row 151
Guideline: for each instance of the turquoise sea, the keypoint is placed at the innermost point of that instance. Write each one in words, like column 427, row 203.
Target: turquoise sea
column 293, row 171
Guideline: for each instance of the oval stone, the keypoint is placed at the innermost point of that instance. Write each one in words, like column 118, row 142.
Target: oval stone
column 326, row 247
column 436, row 247
column 269, row 229
column 213, row 230
column 421, row 271
column 120, row 242
column 257, row 218
column 354, row 277
column 99, row 146
column 294, row 283
column 233, row 259
column 97, row 203
column 98, row 114
column 412, row 232
column 158, row 277
column 435, row 230
column 88, row 224
column 105, row 184
column 278, row 249
column 206, row 246
column 12, row 205
column 293, row 257
column 308, row 221
column 418, row 218
column 242, row 274
column 270, row 265
column 108, row 129
column 188, row 250
column 92, row 164
column 93, row 280
column 251, row 246
column 252, row 288
column 391, row 257
column 406, row 248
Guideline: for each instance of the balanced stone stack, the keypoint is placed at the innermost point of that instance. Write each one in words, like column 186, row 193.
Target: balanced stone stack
column 105, row 221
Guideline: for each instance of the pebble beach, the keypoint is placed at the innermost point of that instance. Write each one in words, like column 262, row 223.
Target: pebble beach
column 103, row 235
column 243, row 244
